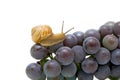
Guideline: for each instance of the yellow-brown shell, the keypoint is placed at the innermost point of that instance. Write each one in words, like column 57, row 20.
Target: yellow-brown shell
column 40, row 33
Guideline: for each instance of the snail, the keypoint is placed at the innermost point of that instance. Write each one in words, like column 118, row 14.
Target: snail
column 43, row 34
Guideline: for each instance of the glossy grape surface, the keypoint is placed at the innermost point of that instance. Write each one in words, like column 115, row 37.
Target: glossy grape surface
column 110, row 42
column 103, row 56
column 70, row 40
column 92, row 33
column 79, row 53
column 106, row 29
column 91, row 45
column 38, row 52
column 34, row 71
column 52, row 68
column 69, row 70
column 89, row 65
column 115, row 57
column 80, row 36
column 65, row 55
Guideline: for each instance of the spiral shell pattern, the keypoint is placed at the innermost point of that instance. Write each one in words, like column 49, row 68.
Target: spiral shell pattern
column 40, row 33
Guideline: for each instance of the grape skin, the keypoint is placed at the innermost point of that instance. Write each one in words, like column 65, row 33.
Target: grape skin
column 110, row 42
column 91, row 45
column 52, row 68
column 116, row 28
column 60, row 77
column 38, row 52
column 34, row 71
column 103, row 56
column 103, row 72
column 70, row 40
column 69, row 70
column 84, row 76
column 89, row 65
column 106, row 29
column 64, row 55
column 79, row 53
column 115, row 57
column 92, row 33
column 115, row 71
column 53, row 48
column 80, row 36
column 71, row 78
column 119, row 42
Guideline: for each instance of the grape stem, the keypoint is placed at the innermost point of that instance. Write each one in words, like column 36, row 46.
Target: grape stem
column 113, row 78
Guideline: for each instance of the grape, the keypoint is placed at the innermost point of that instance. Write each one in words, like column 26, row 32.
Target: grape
column 92, row 33
column 79, row 53
column 64, row 55
column 119, row 42
column 106, row 29
column 103, row 56
column 52, row 68
column 69, row 70
column 116, row 29
column 34, row 71
column 38, row 51
column 89, row 65
column 53, row 48
column 70, row 40
column 103, row 72
column 60, row 77
column 115, row 71
column 110, row 42
column 91, row 45
column 84, row 76
column 115, row 57
column 80, row 36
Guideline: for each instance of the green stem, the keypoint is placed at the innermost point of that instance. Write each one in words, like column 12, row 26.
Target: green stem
column 113, row 78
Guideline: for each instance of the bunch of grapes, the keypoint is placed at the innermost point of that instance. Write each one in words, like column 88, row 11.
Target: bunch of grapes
column 82, row 56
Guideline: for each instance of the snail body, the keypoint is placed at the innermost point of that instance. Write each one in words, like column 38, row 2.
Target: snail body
column 43, row 35
column 52, row 40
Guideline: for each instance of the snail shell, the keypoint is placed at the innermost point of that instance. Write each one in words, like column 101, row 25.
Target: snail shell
column 41, row 32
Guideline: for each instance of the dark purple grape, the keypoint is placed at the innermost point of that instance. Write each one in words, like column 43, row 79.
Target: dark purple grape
column 38, row 51
column 89, row 65
column 103, row 56
column 92, row 33
column 80, row 36
column 91, row 45
column 115, row 71
column 106, row 29
column 53, row 48
column 79, row 53
column 64, row 55
column 52, row 68
column 69, row 70
column 84, row 76
column 70, row 40
column 115, row 57
column 110, row 42
column 34, row 71
column 116, row 28
column 103, row 72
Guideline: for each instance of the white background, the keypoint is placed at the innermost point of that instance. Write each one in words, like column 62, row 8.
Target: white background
column 17, row 17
